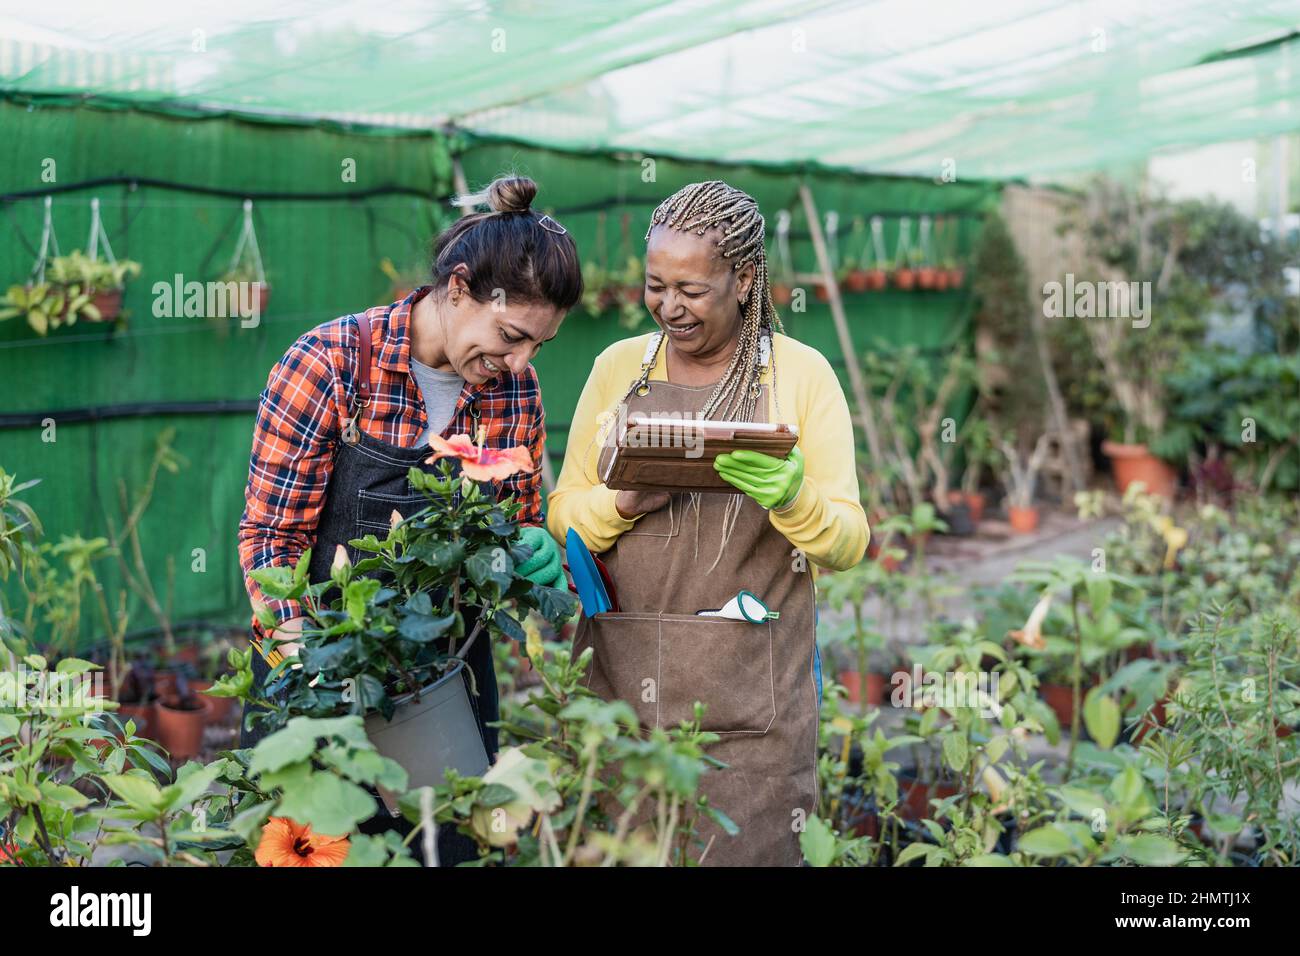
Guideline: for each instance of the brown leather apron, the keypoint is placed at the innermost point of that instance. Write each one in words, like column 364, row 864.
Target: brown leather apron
column 755, row 680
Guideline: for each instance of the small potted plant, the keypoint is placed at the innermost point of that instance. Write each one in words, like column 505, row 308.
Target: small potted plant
column 102, row 281
column 251, row 274
column 855, row 277
column 1020, row 478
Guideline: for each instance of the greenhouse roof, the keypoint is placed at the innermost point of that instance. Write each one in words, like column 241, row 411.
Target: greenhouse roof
column 1017, row 88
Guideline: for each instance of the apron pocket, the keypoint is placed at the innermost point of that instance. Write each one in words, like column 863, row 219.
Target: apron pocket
column 625, row 664
column 726, row 665
column 375, row 510
column 661, row 664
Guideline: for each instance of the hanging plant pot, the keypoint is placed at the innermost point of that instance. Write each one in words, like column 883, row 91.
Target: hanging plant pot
column 1023, row 520
column 263, row 297
column 940, row 280
column 905, row 279
column 180, row 727
column 926, row 276
column 430, row 734
column 782, row 293
column 857, row 280
column 108, row 303
column 822, row 292
column 956, row 276
column 1131, row 463
column 876, row 279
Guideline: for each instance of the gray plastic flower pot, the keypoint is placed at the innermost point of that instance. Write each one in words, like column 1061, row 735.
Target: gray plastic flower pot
column 430, row 735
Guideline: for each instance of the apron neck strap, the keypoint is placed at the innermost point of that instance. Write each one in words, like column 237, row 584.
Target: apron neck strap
column 656, row 342
column 363, row 369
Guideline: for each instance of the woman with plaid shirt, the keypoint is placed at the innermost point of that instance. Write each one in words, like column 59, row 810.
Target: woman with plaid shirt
column 342, row 420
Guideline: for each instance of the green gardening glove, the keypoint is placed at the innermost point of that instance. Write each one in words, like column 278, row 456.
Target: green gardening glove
column 772, row 482
column 543, row 566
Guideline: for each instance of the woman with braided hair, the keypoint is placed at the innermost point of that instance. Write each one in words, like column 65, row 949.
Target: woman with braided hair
column 719, row 353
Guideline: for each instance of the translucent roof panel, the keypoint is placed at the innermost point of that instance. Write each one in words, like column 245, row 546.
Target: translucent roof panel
column 1012, row 88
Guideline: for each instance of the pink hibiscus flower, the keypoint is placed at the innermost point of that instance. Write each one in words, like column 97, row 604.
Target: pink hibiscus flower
column 479, row 463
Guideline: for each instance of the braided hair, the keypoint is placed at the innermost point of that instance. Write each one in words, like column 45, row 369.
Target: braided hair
column 715, row 205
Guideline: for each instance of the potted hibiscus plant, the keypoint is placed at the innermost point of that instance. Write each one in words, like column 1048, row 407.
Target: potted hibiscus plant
column 392, row 629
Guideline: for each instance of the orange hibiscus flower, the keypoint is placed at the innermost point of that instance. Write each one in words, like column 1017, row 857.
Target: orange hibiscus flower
column 479, row 463
column 285, row 843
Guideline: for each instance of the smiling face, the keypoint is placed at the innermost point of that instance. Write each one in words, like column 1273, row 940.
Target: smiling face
column 483, row 339
column 693, row 292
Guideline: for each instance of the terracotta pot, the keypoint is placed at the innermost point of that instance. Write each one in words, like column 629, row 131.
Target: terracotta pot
column 1137, row 651
column 1152, row 719
column 940, row 280
column 857, row 281
column 876, row 279
column 904, row 279
column 926, row 277
column 852, row 680
column 822, row 292
column 167, row 685
column 180, row 728
column 1059, row 697
column 219, row 708
column 975, row 501
column 263, row 297
column 1023, row 520
column 782, row 293
column 145, row 716
column 914, row 796
column 889, row 562
column 1132, row 463
column 109, row 304
column 186, row 654
column 956, row 276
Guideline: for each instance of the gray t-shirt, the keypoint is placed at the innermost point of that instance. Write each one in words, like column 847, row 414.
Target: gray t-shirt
column 439, row 391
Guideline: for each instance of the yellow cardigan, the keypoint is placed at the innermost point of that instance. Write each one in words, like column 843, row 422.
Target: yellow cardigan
column 825, row 521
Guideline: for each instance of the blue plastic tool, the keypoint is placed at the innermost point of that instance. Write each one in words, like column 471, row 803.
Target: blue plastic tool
column 586, row 578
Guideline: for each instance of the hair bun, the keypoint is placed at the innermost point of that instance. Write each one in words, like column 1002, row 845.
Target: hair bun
column 511, row 194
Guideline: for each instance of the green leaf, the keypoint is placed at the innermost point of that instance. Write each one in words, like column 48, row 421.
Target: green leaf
column 1046, row 841
column 1151, row 849
column 955, row 751
column 423, row 628
column 989, row 859
column 328, row 804
column 817, row 842
column 1101, row 715
column 138, row 791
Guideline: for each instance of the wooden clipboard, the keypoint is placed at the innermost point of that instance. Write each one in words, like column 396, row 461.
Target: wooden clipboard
column 676, row 455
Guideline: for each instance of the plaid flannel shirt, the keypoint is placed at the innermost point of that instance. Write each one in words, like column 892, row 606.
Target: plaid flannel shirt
column 299, row 421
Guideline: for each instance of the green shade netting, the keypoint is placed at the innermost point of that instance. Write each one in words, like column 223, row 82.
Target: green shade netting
column 1020, row 88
